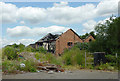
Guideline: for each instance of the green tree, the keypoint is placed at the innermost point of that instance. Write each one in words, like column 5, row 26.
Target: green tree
column 108, row 36
column 21, row 47
column 10, row 52
column 93, row 34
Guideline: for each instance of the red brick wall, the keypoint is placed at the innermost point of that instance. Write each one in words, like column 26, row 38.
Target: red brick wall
column 90, row 37
column 62, row 41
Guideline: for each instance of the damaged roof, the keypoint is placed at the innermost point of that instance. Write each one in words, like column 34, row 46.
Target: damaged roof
column 48, row 37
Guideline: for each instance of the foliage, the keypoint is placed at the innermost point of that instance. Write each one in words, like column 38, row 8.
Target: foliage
column 106, row 66
column 73, row 57
column 82, row 46
column 84, row 36
column 93, row 34
column 29, row 49
column 41, row 49
column 37, row 56
column 10, row 52
column 9, row 66
column 111, row 58
column 108, row 38
column 87, row 34
column 20, row 47
column 30, row 66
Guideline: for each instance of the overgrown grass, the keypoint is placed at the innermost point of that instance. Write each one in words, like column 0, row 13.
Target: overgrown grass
column 106, row 66
column 70, row 60
column 10, row 66
column 75, row 56
column 51, row 58
column 10, row 52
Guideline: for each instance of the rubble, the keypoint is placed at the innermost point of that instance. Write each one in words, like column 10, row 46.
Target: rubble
column 22, row 65
column 50, row 72
column 70, row 71
column 50, row 68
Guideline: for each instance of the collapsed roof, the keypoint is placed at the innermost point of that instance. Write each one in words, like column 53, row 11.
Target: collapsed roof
column 49, row 37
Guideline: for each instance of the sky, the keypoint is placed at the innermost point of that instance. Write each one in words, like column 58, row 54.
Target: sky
column 27, row 22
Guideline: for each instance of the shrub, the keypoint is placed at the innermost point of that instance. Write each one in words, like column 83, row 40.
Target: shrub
column 37, row 56
column 111, row 58
column 10, row 52
column 30, row 66
column 41, row 50
column 29, row 49
column 10, row 66
column 82, row 46
column 73, row 56
column 106, row 66
column 51, row 58
column 21, row 47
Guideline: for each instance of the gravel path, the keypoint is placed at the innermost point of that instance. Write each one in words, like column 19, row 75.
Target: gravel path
column 78, row 74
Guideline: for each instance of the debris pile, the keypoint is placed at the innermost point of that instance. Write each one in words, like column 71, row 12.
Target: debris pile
column 50, row 68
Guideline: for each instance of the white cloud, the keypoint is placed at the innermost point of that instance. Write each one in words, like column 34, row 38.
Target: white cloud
column 8, row 13
column 23, row 31
column 62, row 4
column 32, row 15
column 4, row 42
column 60, row 13
column 26, row 41
column 22, row 22
column 69, row 15
column 107, row 7
column 89, row 26
column 103, row 21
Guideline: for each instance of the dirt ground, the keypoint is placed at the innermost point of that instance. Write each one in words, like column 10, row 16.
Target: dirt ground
column 76, row 74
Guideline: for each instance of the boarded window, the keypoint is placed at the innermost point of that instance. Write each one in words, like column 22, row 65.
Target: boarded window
column 69, row 43
column 90, row 40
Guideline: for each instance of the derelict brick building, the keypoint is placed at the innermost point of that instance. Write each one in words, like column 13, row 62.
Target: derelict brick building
column 58, row 43
column 66, row 40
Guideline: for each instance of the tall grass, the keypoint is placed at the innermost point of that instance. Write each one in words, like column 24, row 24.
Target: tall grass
column 75, row 56
column 10, row 52
column 10, row 66
column 51, row 58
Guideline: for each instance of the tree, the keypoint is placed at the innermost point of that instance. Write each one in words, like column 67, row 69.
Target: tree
column 93, row 34
column 87, row 34
column 108, row 36
column 84, row 36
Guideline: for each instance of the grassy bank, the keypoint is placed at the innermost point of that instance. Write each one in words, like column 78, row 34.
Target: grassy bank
column 70, row 60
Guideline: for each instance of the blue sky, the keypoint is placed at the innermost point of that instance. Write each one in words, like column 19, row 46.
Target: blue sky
column 27, row 22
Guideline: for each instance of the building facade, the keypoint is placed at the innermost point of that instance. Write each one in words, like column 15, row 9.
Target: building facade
column 58, row 43
column 66, row 40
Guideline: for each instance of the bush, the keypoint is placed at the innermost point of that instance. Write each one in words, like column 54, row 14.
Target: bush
column 73, row 56
column 52, row 59
column 30, row 66
column 106, row 66
column 10, row 52
column 82, row 46
column 29, row 49
column 37, row 56
column 10, row 66
column 21, row 47
column 111, row 58
column 41, row 50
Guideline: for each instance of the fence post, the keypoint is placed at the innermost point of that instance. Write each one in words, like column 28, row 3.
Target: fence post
column 85, row 59
column 117, row 59
column 116, row 55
